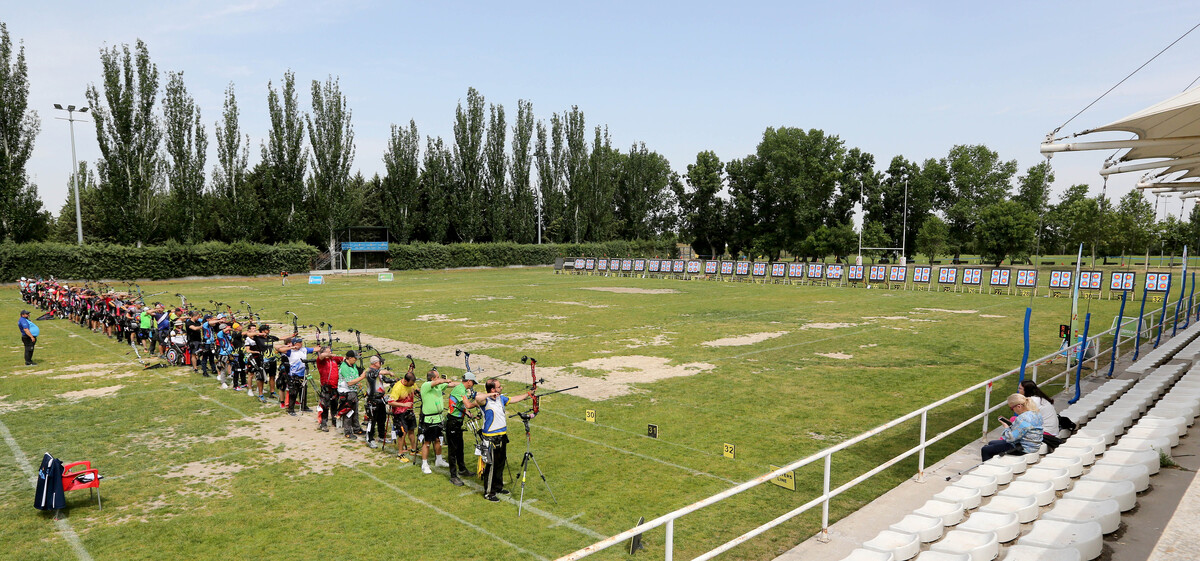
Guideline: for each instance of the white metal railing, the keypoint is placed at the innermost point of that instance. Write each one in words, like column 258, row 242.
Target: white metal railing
column 1093, row 341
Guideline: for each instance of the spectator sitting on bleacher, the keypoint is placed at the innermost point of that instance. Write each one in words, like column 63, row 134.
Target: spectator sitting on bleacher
column 1045, row 406
column 1023, row 436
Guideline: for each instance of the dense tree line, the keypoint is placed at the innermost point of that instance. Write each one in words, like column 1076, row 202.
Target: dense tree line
column 512, row 177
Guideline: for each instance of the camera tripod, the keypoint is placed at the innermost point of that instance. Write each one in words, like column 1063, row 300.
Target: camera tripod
column 525, row 460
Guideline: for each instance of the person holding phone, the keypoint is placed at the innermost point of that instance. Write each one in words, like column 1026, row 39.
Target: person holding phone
column 1023, row 436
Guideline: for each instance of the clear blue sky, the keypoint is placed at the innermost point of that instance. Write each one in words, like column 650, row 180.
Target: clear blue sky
column 892, row 78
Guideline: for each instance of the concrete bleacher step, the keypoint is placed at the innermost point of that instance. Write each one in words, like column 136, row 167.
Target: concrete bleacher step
column 901, row 545
column 1094, row 490
column 1107, row 513
column 1085, row 537
column 942, row 556
column 1179, row 423
column 1035, row 553
column 1172, row 411
column 1041, row 491
column 1136, row 474
column 862, row 554
column 950, row 513
column 980, row 546
column 1006, row 526
column 1025, row 507
column 1151, row 432
column 1158, row 444
column 926, row 528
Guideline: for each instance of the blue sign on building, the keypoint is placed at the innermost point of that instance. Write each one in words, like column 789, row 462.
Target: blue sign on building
column 364, row 246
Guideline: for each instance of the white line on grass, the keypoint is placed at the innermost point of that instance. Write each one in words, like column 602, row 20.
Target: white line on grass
column 64, row 525
column 643, row 456
column 449, row 515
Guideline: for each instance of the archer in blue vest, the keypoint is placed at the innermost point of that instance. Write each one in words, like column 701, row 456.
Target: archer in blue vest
column 29, row 335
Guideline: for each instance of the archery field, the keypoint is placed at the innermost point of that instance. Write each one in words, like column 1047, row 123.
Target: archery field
column 778, row 371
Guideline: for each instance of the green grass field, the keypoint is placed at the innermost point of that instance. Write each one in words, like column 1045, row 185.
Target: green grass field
column 193, row 471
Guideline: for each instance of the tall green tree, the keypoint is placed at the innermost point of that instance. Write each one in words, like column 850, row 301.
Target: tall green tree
column 576, row 174
column 704, row 221
column 287, row 158
column 1033, row 188
column 604, row 166
column 235, row 206
column 64, row 227
column 548, row 156
column 523, row 221
column 497, row 200
column 977, row 178
column 1134, row 224
column 398, row 193
column 187, row 146
column 437, row 183
column 932, row 237
column 1003, row 229
column 21, row 214
column 467, row 196
column 333, row 203
column 645, row 203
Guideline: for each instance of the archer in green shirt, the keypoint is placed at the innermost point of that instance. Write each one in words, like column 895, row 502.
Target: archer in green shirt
column 433, row 408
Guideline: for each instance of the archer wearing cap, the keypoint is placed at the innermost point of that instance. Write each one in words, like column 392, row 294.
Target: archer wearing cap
column 460, row 402
column 29, row 335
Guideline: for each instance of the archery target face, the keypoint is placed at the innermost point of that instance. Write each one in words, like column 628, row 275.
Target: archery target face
column 639, row 265
column 710, row 267
column 947, row 275
column 898, row 274
column 1090, row 280
column 856, row 272
column 760, row 269
column 921, row 274
column 603, row 265
column 627, row 265
column 795, row 270
column 677, row 266
column 591, row 264
column 654, row 265
column 579, row 263
column 1026, row 277
column 743, row 267
column 972, row 276
column 835, row 272
column 878, row 273
column 693, row 267
column 1122, row 281
column 777, row 269
column 999, row 277
column 814, row 270
column 727, row 267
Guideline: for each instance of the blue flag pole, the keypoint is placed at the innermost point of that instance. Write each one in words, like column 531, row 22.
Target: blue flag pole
column 1188, row 320
column 1163, row 319
column 1117, row 336
column 1025, row 357
column 1137, row 339
column 1178, row 303
column 1087, row 320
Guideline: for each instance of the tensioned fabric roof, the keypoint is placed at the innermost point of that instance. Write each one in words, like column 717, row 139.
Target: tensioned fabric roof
column 1167, row 133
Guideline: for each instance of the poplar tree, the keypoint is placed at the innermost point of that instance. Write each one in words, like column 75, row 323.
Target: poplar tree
column 523, row 218
column 466, row 195
column 236, row 204
column 21, row 214
column 286, row 158
column 334, row 204
column 496, row 197
column 399, row 187
column 186, row 145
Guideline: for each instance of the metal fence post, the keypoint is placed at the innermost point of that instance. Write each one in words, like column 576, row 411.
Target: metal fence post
column 921, row 459
column 987, row 404
column 825, row 505
column 670, row 553
column 1035, row 373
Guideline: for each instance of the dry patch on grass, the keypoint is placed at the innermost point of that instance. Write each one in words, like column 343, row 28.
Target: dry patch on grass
column 296, row 438
column 582, row 304
column 744, row 339
column 490, row 298
column 827, row 325
column 24, row 405
column 659, row 340
column 535, row 340
column 631, row 290
column 991, row 316
column 869, row 345
column 901, row 318
column 945, row 311
column 437, row 317
column 205, row 478
column 166, row 438
column 839, row 356
column 91, row 393
column 622, row 372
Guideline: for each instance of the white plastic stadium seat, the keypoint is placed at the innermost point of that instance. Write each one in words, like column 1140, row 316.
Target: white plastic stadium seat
column 1107, row 513
column 942, row 556
column 955, row 493
column 1092, row 490
column 926, row 528
column 949, row 513
column 985, row 483
column 861, row 554
column 1015, row 463
column 1059, row 477
column 1136, row 473
column 980, row 546
column 1148, row 458
column 1085, row 537
column 1042, row 491
column 902, row 546
column 1085, row 454
column 1169, row 433
column 1005, row 526
column 1073, row 465
column 1003, row 474
column 1026, row 508
column 1035, row 553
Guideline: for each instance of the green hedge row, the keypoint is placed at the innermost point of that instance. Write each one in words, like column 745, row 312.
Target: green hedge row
column 171, row 260
column 438, row 256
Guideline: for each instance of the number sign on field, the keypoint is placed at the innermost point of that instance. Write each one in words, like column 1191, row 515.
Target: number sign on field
column 1000, row 277
column 834, row 272
column 1026, row 278
column 1060, row 279
column 921, row 274
column 973, row 276
column 947, row 275
column 1122, row 281
column 898, row 274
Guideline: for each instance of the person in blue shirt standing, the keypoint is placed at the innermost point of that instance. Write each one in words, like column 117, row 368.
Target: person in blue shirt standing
column 29, row 335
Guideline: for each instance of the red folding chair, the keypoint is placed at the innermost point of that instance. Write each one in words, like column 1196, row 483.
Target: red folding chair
column 72, row 481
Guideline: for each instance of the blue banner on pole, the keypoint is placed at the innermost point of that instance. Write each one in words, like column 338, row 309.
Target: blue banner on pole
column 364, row 246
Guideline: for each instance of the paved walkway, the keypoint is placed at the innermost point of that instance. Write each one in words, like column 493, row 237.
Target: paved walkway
column 1138, row 540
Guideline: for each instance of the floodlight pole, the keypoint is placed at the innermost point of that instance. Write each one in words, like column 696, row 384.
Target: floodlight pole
column 70, row 109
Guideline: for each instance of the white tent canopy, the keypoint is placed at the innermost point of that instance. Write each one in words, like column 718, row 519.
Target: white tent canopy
column 1168, row 140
